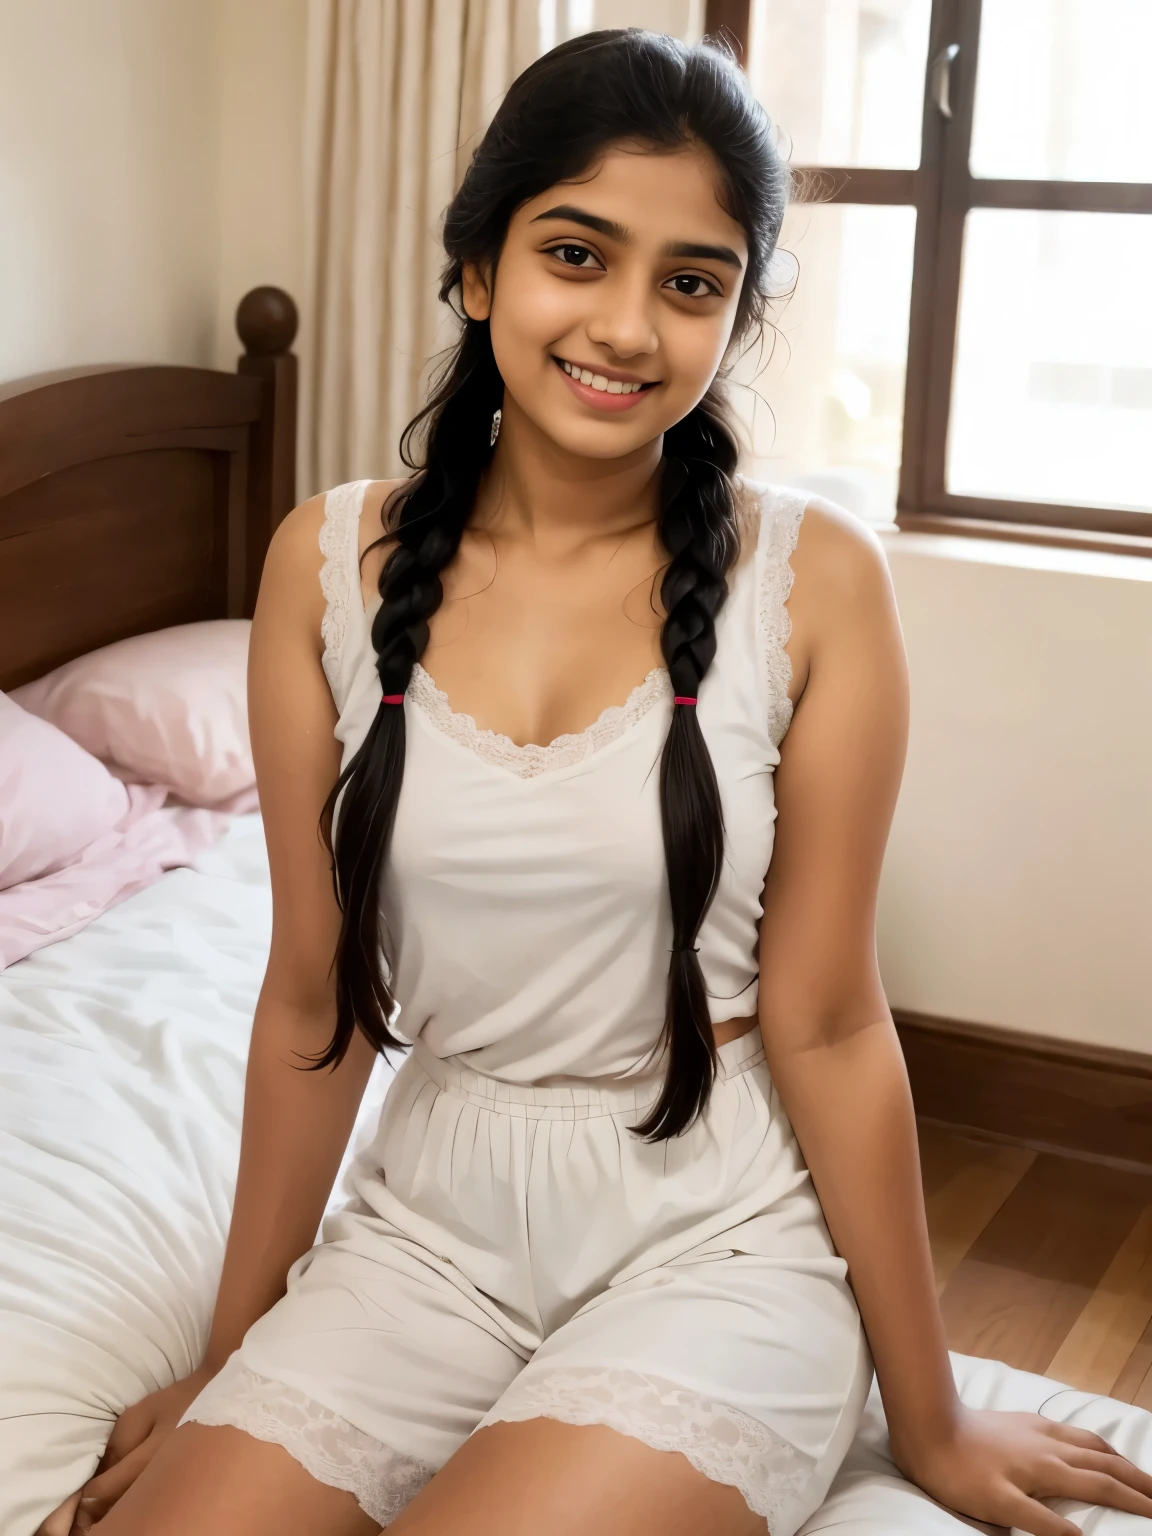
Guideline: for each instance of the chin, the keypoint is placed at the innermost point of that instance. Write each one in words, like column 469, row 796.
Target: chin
column 601, row 443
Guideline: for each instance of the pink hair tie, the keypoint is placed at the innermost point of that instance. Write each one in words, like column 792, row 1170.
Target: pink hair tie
column 391, row 698
column 681, row 699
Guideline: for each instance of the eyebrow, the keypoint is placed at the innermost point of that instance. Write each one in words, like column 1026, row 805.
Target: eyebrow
column 623, row 236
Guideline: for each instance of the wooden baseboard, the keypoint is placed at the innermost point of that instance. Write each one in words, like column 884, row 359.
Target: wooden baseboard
column 1056, row 1095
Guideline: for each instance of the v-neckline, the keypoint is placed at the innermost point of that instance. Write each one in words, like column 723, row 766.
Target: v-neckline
column 531, row 760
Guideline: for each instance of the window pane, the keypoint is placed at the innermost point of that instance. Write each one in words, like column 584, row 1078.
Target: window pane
column 1062, row 90
column 825, row 413
column 1052, row 392
column 843, row 79
column 561, row 19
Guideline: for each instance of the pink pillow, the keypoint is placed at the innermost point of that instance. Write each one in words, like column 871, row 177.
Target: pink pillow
column 55, row 798
column 170, row 708
column 74, row 840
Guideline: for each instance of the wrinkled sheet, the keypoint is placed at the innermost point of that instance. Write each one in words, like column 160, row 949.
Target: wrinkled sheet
column 122, row 1053
column 869, row 1497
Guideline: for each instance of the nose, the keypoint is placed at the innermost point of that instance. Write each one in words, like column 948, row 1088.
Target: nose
column 622, row 320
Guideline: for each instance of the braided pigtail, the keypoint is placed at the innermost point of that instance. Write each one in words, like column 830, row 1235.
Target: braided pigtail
column 360, row 812
column 699, row 529
column 557, row 120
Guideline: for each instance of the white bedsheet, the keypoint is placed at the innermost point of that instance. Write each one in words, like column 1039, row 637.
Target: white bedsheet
column 121, row 1091
column 122, row 1053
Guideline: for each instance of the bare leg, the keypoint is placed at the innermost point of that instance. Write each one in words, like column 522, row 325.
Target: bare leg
column 218, row 1480
column 543, row 1476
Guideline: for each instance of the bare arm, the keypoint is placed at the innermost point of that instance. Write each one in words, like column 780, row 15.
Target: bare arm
column 828, row 1033
column 296, row 1123
column 834, row 1055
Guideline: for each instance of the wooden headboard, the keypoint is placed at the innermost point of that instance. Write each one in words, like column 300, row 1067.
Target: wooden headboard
column 132, row 498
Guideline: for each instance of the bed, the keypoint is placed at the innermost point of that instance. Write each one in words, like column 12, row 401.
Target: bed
column 133, row 499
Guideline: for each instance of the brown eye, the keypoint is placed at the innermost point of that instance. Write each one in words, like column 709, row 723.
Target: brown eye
column 564, row 251
column 692, row 277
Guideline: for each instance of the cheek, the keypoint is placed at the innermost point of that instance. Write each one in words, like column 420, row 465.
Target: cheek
column 537, row 314
column 694, row 352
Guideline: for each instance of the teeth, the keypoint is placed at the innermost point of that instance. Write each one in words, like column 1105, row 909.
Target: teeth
column 598, row 381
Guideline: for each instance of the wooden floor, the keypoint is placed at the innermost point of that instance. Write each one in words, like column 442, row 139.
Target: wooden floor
column 1043, row 1261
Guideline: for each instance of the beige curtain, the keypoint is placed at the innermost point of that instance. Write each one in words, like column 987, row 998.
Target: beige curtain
column 398, row 94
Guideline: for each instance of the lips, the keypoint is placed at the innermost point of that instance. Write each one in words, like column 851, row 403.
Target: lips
column 602, row 391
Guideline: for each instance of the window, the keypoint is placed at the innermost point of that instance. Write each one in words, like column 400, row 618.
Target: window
column 559, row 20
column 969, row 344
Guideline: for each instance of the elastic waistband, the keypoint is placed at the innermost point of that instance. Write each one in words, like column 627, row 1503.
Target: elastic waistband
column 574, row 1100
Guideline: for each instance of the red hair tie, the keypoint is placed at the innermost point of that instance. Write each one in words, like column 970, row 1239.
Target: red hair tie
column 391, row 698
column 681, row 699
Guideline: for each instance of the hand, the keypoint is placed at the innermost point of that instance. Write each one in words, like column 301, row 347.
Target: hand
column 996, row 1466
column 136, row 1437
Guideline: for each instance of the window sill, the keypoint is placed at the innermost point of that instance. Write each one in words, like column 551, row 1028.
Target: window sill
column 1018, row 553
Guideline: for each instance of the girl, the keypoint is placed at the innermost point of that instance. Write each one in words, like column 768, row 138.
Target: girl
column 643, row 1206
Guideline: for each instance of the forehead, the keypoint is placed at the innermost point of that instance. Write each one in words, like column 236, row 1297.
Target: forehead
column 658, row 196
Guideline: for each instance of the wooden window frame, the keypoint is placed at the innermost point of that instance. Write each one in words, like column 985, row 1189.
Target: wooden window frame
column 942, row 191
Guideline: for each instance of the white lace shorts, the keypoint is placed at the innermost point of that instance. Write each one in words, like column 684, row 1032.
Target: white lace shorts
column 515, row 1252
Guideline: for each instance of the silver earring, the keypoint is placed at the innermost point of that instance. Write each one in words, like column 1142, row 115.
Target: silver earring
column 497, row 417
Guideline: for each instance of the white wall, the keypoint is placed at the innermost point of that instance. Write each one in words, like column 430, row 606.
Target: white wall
column 260, row 186
column 108, row 224
column 1017, row 888
column 150, row 173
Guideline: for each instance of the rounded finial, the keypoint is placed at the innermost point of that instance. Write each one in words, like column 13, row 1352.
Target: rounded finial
column 267, row 320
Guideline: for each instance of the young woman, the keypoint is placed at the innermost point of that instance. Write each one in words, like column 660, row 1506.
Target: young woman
column 643, row 1206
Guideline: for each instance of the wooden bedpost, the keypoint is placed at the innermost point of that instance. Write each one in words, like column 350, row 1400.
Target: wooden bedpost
column 267, row 320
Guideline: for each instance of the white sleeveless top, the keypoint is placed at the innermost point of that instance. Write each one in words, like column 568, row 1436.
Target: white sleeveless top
column 526, row 894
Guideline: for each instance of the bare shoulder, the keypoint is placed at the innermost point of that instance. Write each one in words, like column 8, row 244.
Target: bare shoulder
column 837, row 554
column 297, row 537
column 291, row 575
column 842, row 580
column 295, row 556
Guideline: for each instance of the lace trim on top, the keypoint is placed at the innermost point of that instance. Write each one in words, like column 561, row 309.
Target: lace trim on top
column 779, row 534
column 333, row 1451
column 529, row 760
column 342, row 507
column 724, row 1444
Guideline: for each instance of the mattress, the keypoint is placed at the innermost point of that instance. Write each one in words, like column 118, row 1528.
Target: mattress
column 121, row 1095
column 123, row 1052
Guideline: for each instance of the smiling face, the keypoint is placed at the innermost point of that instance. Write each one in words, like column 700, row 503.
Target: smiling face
column 614, row 300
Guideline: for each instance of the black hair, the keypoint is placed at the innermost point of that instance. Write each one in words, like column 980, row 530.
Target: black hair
column 557, row 120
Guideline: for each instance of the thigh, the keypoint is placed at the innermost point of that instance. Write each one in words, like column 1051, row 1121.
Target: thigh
column 358, row 1385
column 755, row 1371
column 223, row 1481
column 539, row 1476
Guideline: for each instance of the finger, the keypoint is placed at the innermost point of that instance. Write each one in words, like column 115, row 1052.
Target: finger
column 59, row 1522
column 131, row 1429
column 1114, row 1465
column 1069, row 1482
column 1026, row 1514
column 1081, row 1437
column 99, row 1494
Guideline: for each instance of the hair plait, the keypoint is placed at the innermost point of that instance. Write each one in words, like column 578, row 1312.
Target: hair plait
column 557, row 118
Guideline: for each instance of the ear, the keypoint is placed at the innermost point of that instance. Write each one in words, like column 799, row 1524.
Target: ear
column 475, row 292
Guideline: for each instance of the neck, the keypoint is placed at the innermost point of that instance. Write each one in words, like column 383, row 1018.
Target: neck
column 538, row 492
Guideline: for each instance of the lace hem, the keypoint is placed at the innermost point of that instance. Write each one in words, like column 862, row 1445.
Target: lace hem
column 724, row 1444
column 529, row 760
column 341, row 515
column 779, row 533
column 333, row 1451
